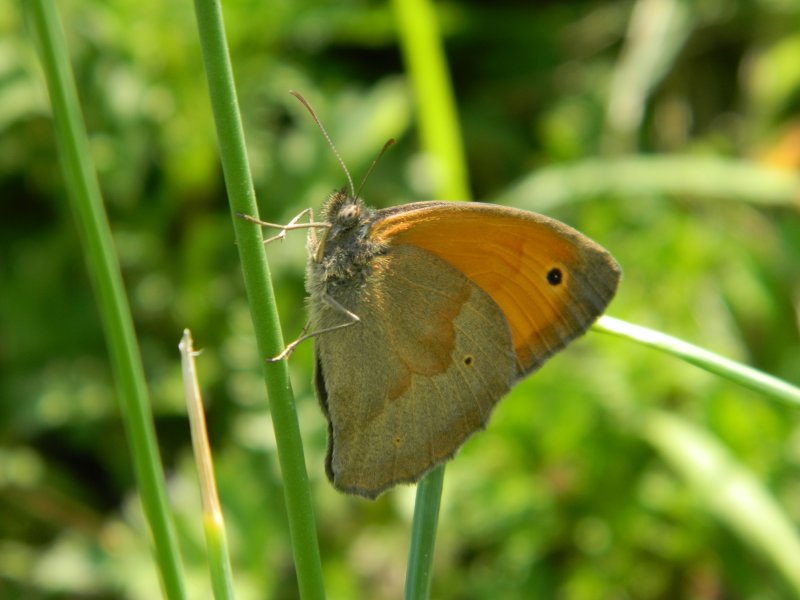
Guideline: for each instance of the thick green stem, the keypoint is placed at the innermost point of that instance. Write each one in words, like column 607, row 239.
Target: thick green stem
column 258, row 285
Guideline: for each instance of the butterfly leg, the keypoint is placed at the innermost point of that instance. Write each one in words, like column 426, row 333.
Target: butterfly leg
column 293, row 224
column 353, row 319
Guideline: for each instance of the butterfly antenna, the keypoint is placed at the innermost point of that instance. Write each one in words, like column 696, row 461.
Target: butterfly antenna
column 305, row 103
column 374, row 163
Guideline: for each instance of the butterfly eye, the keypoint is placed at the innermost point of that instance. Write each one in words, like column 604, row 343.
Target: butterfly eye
column 349, row 214
column 554, row 276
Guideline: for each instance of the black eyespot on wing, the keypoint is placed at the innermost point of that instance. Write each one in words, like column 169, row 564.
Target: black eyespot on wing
column 469, row 359
column 554, row 276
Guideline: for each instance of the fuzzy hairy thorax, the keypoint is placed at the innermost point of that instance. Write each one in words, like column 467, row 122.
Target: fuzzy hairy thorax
column 342, row 255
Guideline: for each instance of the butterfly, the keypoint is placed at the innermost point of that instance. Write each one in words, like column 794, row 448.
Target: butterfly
column 424, row 315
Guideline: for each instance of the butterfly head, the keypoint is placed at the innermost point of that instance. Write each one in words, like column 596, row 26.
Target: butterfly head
column 345, row 249
column 343, row 211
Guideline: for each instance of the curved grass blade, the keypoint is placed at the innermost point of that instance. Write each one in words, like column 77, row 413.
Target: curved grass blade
column 747, row 376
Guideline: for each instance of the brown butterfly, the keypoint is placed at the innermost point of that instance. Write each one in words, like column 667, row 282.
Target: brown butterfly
column 424, row 315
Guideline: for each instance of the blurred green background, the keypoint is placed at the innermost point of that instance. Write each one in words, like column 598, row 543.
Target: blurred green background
column 574, row 490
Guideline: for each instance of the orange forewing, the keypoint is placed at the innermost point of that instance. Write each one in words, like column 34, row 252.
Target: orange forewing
column 509, row 253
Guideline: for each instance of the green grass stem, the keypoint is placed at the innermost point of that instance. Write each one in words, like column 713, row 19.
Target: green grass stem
column 258, row 285
column 426, row 64
column 657, row 33
column 101, row 259
column 423, row 535
column 724, row 485
column 747, row 376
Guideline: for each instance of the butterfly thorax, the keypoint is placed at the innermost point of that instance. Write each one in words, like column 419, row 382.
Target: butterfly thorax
column 342, row 255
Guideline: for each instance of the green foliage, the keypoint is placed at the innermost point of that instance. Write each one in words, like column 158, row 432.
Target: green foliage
column 576, row 489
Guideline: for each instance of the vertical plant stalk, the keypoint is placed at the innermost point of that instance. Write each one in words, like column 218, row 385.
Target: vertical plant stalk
column 440, row 135
column 103, row 265
column 425, row 60
column 657, row 32
column 213, row 523
column 258, row 286
column 423, row 535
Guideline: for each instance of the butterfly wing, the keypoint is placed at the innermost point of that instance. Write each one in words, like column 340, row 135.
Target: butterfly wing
column 549, row 281
column 422, row 370
column 466, row 299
